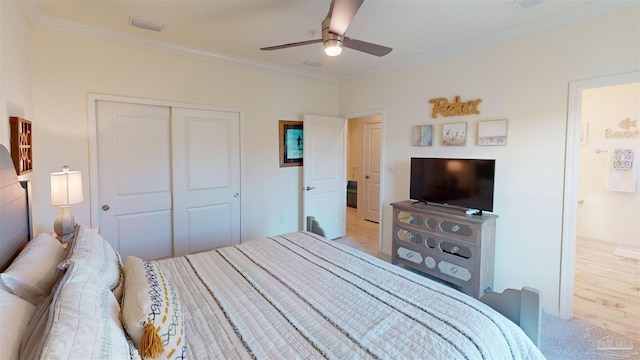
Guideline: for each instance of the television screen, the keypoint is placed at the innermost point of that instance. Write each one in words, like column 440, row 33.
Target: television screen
column 466, row 183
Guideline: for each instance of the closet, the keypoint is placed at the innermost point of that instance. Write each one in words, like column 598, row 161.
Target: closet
column 168, row 178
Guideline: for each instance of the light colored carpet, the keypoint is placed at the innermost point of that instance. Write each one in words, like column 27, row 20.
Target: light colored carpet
column 575, row 339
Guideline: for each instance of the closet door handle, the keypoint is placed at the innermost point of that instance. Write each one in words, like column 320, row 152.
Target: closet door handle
column 310, row 188
column 236, row 195
column 105, row 208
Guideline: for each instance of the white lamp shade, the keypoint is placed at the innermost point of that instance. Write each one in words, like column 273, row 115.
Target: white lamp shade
column 66, row 187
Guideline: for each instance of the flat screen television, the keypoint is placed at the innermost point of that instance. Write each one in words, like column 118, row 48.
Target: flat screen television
column 465, row 183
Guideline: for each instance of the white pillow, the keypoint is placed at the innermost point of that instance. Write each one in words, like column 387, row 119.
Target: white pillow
column 93, row 253
column 15, row 314
column 33, row 273
column 85, row 320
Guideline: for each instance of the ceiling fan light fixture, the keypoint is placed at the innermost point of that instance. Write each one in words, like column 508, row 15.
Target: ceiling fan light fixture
column 333, row 47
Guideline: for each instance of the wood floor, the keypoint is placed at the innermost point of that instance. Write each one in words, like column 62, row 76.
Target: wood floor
column 362, row 235
column 607, row 288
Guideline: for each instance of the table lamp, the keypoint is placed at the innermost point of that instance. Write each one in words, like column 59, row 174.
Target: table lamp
column 66, row 189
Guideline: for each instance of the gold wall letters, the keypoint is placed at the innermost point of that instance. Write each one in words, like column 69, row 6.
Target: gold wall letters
column 443, row 107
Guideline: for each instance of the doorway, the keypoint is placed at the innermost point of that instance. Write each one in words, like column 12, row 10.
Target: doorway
column 364, row 134
column 593, row 212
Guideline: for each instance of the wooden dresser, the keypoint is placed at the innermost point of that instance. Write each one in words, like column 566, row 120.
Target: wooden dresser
column 445, row 243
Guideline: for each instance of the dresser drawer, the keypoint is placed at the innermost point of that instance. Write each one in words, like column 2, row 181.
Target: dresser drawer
column 410, row 255
column 457, row 271
column 457, row 228
column 411, row 236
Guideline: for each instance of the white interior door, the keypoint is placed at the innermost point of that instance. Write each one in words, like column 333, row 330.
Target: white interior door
column 324, row 175
column 371, row 170
column 206, row 179
column 134, row 178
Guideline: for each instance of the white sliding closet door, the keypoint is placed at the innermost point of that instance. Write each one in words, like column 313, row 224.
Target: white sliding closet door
column 168, row 178
column 134, row 170
column 206, row 179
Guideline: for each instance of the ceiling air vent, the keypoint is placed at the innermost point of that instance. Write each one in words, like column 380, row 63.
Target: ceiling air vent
column 145, row 25
column 312, row 63
column 525, row 4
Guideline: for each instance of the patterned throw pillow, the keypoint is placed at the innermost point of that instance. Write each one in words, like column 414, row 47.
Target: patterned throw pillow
column 151, row 311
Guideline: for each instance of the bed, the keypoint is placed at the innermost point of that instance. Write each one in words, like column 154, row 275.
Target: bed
column 291, row 296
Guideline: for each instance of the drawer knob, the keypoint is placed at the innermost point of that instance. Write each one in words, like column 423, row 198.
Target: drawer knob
column 455, row 228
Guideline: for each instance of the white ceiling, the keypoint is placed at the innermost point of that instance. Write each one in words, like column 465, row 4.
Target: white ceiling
column 232, row 31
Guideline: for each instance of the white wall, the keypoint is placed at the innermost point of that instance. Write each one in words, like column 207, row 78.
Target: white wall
column 15, row 69
column 607, row 215
column 524, row 81
column 66, row 67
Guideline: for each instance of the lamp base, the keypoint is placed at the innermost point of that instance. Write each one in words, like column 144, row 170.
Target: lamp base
column 64, row 225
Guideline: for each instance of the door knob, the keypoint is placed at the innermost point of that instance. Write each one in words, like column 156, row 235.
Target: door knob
column 236, row 195
column 310, row 188
column 366, row 177
column 105, row 207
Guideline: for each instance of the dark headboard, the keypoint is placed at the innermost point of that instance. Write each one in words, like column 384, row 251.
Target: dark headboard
column 14, row 214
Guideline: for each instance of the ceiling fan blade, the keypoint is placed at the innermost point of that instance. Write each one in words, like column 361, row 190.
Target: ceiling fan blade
column 367, row 47
column 299, row 43
column 341, row 13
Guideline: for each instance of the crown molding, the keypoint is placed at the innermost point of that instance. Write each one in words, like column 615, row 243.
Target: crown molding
column 598, row 8
column 37, row 18
column 549, row 23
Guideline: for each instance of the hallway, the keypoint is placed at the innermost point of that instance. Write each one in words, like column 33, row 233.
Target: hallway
column 362, row 235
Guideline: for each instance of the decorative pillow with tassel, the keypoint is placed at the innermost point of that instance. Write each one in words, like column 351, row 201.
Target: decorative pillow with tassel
column 151, row 312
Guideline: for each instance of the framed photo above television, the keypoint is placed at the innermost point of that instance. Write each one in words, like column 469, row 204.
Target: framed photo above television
column 423, row 135
column 492, row 132
column 454, row 134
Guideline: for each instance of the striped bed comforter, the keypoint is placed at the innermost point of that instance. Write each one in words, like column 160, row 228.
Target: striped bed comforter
column 300, row 296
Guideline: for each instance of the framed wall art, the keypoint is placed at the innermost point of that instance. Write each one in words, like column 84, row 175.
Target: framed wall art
column 291, row 143
column 454, row 134
column 492, row 132
column 423, row 135
column 21, row 151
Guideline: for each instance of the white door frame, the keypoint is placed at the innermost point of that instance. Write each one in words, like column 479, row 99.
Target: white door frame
column 93, row 98
column 572, row 162
column 383, row 169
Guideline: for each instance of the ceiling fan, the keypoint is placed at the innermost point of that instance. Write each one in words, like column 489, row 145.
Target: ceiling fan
column 334, row 26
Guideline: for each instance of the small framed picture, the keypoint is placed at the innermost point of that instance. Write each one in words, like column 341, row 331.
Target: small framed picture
column 492, row 132
column 423, row 135
column 291, row 143
column 454, row 134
